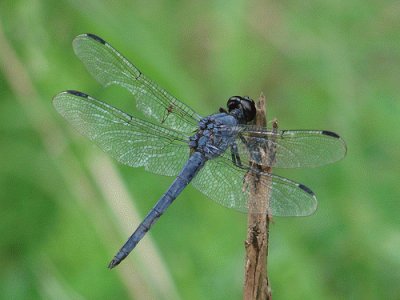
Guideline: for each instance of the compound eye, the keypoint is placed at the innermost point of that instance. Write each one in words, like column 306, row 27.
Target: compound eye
column 234, row 102
column 249, row 109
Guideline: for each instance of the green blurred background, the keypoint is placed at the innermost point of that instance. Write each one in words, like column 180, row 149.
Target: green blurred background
column 66, row 207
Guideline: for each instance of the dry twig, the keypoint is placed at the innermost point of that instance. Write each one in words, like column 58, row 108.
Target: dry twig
column 256, row 284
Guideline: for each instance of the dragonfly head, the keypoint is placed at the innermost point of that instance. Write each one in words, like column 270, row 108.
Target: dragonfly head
column 244, row 104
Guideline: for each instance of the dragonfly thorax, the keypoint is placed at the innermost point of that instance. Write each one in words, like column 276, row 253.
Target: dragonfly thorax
column 214, row 135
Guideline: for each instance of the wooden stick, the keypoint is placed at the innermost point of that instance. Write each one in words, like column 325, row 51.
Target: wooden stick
column 256, row 283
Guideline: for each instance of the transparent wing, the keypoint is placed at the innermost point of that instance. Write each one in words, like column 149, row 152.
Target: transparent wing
column 109, row 67
column 129, row 140
column 223, row 182
column 292, row 148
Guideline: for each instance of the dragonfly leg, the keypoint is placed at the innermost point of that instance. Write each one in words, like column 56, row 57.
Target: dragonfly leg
column 235, row 155
column 235, row 152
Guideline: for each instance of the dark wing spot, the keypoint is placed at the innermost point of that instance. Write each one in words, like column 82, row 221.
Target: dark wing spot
column 77, row 93
column 330, row 133
column 96, row 38
column 306, row 189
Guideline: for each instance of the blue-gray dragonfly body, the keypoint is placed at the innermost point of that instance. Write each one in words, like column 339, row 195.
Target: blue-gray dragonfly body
column 215, row 153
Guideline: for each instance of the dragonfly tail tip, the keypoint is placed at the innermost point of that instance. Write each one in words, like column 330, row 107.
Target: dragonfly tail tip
column 113, row 263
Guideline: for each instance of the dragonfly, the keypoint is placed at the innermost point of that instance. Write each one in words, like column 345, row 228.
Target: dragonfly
column 214, row 153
